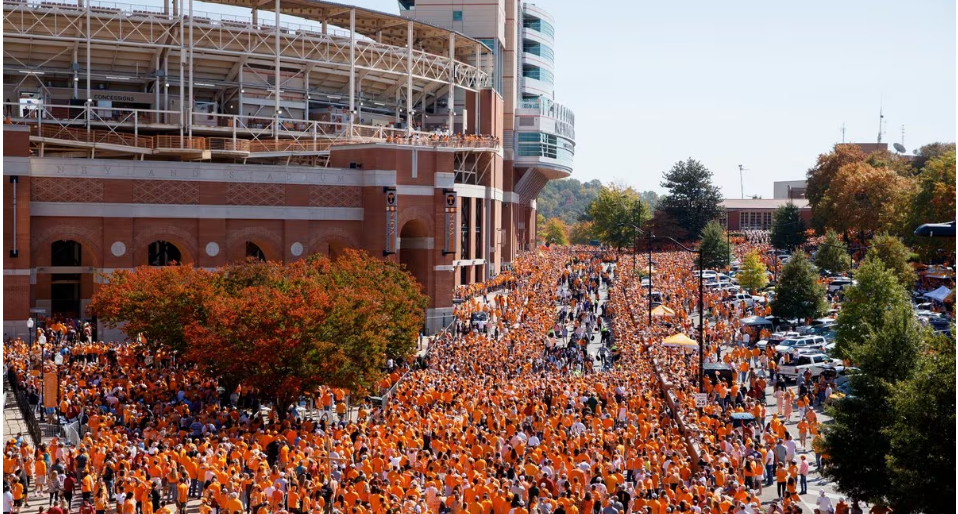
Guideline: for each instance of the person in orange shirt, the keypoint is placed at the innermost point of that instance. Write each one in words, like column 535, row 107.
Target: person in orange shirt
column 182, row 495
column 16, row 490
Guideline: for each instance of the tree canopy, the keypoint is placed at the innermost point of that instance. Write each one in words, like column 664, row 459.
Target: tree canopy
column 693, row 200
column 752, row 275
column 893, row 253
column 798, row 294
column 555, row 232
column 282, row 329
column 876, row 290
column 788, row 228
column 715, row 248
column 567, row 199
column 615, row 213
column 833, row 255
column 934, row 202
column 879, row 445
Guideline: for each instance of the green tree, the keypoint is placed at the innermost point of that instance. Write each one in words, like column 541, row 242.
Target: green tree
column 895, row 255
column 567, row 199
column 788, row 228
column 715, row 248
column 934, row 202
column 877, row 290
column 614, row 212
column 798, row 293
column 580, row 233
column 753, row 275
column 856, row 441
column 833, row 254
column 922, row 460
column 929, row 152
column 556, row 232
column 693, row 200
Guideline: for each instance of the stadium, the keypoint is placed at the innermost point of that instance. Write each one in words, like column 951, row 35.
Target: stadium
column 212, row 132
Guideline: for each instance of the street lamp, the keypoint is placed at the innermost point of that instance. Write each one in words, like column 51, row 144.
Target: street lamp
column 30, row 326
column 701, row 311
column 635, row 243
column 728, row 237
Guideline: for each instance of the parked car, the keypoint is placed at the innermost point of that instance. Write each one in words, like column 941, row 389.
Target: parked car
column 742, row 420
column 743, row 297
column 719, row 370
column 841, row 283
column 774, row 339
column 815, row 363
column 801, row 343
column 479, row 319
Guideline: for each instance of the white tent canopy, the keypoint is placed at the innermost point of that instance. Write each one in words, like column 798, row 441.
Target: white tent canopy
column 939, row 294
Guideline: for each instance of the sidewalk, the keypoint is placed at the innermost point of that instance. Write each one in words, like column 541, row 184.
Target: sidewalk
column 13, row 422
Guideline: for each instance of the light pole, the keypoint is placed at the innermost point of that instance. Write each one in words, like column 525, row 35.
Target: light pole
column 728, row 238
column 701, row 311
column 635, row 243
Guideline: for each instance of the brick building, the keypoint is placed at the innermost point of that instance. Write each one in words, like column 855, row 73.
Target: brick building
column 332, row 130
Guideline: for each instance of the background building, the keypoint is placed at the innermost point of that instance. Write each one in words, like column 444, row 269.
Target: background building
column 143, row 135
column 756, row 214
column 794, row 189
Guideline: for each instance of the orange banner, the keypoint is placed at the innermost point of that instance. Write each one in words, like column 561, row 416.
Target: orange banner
column 50, row 389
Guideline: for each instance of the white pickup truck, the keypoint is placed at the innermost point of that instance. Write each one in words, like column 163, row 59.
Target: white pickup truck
column 813, row 362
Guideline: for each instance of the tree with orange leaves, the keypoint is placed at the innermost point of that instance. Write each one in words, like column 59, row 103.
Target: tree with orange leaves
column 155, row 301
column 282, row 329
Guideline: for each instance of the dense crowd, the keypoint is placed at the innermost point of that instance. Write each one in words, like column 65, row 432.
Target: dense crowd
column 513, row 416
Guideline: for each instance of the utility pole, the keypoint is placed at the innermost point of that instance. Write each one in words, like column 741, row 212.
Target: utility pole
column 741, row 180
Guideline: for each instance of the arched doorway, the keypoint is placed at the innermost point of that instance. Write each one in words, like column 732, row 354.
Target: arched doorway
column 164, row 253
column 336, row 249
column 65, row 285
column 253, row 251
column 414, row 248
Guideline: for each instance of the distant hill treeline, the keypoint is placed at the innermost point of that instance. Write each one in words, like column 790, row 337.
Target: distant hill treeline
column 568, row 199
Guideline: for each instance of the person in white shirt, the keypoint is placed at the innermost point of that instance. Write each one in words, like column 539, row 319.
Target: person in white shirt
column 577, row 428
column 824, row 502
column 7, row 501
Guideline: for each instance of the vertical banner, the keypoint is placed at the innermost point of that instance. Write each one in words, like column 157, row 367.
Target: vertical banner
column 50, row 389
column 392, row 220
column 450, row 226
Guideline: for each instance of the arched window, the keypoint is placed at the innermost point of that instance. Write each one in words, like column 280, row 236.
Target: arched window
column 65, row 253
column 253, row 251
column 164, row 253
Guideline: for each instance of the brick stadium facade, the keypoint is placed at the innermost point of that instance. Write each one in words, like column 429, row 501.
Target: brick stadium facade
column 78, row 218
column 145, row 134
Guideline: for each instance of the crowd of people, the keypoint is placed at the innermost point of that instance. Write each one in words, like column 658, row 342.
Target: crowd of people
column 565, row 402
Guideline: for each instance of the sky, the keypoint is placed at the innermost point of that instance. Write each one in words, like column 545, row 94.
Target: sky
column 766, row 85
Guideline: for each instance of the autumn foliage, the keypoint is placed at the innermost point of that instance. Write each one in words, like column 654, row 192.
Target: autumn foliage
column 282, row 329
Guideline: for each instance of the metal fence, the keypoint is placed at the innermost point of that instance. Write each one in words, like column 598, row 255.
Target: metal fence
column 26, row 410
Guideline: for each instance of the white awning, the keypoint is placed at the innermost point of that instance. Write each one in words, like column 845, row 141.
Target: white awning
column 939, row 294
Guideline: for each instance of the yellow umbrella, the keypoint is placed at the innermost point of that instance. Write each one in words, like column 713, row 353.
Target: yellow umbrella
column 663, row 312
column 680, row 341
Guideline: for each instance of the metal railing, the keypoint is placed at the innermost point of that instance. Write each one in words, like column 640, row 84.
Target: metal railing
column 26, row 410
column 95, row 125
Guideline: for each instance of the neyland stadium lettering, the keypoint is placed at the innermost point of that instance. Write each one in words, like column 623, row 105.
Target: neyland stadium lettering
column 111, row 171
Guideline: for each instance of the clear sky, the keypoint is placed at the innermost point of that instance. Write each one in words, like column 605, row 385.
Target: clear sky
column 764, row 84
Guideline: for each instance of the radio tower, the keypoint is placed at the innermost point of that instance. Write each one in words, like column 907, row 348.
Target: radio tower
column 881, row 120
